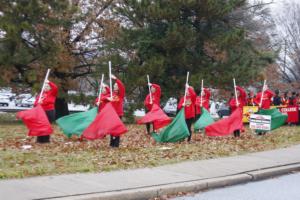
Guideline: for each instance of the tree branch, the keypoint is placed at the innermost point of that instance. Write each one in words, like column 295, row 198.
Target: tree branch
column 90, row 22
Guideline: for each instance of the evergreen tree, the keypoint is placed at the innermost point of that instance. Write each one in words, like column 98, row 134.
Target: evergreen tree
column 167, row 38
column 63, row 35
column 33, row 32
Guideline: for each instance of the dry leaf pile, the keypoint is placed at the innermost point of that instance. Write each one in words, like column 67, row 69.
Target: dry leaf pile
column 21, row 157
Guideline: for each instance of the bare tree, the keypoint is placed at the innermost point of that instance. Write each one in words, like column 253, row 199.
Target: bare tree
column 288, row 39
column 255, row 17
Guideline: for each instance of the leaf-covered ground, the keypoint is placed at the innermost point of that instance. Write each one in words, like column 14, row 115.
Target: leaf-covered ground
column 137, row 150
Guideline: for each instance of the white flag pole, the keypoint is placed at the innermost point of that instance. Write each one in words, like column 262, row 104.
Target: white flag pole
column 236, row 98
column 262, row 94
column 185, row 92
column 100, row 92
column 110, row 82
column 151, row 100
column 201, row 98
column 44, row 85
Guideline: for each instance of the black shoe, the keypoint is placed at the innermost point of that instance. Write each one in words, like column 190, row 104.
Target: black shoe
column 43, row 139
column 261, row 133
column 112, row 141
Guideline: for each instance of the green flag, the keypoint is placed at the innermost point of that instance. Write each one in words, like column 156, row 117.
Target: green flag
column 76, row 123
column 174, row 132
column 277, row 118
column 204, row 120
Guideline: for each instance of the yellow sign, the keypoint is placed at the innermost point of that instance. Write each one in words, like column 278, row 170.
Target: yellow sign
column 247, row 111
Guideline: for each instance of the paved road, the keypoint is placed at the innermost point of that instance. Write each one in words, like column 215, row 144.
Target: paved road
column 282, row 188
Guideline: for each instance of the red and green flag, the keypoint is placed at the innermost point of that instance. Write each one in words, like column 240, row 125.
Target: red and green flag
column 156, row 116
column 204, row 120
column 227, row 125
column 174, row 132
column 76, row 123
column 107, row 122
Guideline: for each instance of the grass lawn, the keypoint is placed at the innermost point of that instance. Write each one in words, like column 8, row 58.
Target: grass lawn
column 65, row 155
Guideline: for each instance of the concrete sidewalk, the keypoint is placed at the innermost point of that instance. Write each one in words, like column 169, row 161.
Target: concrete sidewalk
column 152, row 182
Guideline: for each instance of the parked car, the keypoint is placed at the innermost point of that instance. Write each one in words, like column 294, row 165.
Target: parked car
column 24, row 100
column 77, row 108
column 28, row 102
column 224, row 110
column 7, row 93
column 171, row 107
column 219, row 109
column 4, row 101
column 138, row 113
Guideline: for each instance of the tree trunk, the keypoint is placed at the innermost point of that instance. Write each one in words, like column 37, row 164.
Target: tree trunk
column 61, row 107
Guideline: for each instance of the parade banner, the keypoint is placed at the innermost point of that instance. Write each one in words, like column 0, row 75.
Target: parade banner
column 292, row 113
column 260, row 122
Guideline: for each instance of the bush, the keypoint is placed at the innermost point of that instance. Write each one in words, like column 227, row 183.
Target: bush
column 8, row 118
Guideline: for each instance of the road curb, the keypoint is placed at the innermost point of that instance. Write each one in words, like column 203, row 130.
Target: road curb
column 273, row 172
column 189, row 186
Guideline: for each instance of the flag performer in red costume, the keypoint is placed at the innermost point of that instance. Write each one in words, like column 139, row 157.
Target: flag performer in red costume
column 104, row 94
column 239, row 101
column 152, row 98
column 202, row 100
column 264, row 99
column 188, row 102
column 47, row 99
column 117, row 100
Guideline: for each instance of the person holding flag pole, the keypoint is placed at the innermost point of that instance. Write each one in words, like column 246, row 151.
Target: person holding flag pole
column 116, row 98
column 104, row 93
column 188, row 102
column 262, row 95
column 264, row 99
column 47, row 99
column 152, row 98
column 240, row 98
column 202, row 100
column 239, row 101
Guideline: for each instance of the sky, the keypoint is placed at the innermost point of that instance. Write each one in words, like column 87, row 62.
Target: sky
column 277, row 5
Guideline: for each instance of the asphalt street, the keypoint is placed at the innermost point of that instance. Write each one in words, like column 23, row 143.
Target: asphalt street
column 280, row 188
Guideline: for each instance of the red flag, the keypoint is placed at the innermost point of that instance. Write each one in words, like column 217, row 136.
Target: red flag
column 107, row 122
column 36, row 121
column 156, row 116
column 226, row 126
